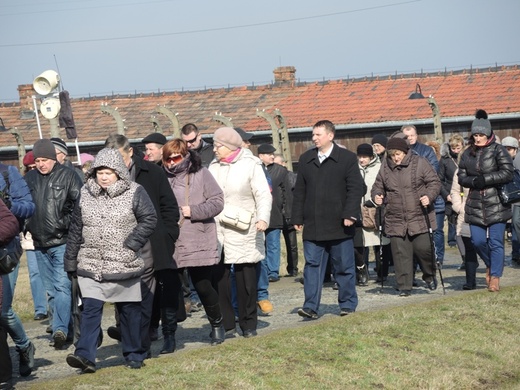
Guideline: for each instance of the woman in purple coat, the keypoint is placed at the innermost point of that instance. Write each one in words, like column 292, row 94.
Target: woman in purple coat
column 200, row 199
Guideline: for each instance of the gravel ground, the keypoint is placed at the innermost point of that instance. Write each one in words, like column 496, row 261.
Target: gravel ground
column 287, row 297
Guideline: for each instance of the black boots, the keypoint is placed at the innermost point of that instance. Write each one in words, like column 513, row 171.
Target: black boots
column 218, row 334
column 169, row 327
column 471, row 276
column 361, row 268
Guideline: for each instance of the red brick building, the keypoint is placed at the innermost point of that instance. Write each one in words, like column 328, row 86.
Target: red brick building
column 360, row 108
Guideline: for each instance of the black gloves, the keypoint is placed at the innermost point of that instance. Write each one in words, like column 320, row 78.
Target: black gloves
column 479, row 182
column 72, row 275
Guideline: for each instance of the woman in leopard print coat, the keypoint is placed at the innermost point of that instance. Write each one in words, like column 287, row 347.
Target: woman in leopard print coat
column 112, row 220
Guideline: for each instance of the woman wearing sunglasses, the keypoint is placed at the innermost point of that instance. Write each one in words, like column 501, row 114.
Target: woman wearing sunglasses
column 200, row 199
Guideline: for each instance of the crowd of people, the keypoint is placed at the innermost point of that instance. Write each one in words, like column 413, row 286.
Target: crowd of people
column 190, row 225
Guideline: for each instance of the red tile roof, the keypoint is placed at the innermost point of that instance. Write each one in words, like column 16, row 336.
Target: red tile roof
column 344, row 102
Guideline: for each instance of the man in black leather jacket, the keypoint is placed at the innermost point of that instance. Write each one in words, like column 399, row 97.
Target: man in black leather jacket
column 55, row 189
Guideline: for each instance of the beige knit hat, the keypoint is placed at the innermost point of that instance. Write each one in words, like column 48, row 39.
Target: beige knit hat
column 228, row 137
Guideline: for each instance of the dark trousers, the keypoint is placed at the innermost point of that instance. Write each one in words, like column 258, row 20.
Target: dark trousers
column 130, row 319
column 291, row 246
column 201, row 278
column 471, row 261
column 6, row 366
column 245, row 276
column 403, row 251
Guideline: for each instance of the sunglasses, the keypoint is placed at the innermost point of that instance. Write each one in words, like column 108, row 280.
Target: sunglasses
column 190, row 141
column 175, row 159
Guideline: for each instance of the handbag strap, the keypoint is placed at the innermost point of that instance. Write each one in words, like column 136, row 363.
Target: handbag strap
column 186, row 196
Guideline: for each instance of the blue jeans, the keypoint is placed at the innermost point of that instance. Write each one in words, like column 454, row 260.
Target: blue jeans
column 262, row 280
column 57, row 284
column 489, row 244
column 37, row 290
column 9, row 320
column 438, row 237
column 342, row 256
column 272, row 252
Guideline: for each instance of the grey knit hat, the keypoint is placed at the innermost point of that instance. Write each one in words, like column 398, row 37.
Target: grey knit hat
column 44, row 148
column 228, row 137
column 481, row 124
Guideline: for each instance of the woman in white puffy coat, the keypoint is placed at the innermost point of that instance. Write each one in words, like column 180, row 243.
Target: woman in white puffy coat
column 241, row 177
column 366, row 237
column 459, row 195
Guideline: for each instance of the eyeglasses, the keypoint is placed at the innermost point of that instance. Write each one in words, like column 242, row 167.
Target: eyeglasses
column 190, row 141
column 479, row 135
column 174, row 159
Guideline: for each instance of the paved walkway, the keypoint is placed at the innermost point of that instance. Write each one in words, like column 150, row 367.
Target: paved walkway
column 287, row 297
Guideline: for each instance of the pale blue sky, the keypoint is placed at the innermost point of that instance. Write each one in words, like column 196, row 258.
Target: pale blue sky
column 174, row 44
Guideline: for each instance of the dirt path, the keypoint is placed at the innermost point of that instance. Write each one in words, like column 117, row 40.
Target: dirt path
column 287, row 297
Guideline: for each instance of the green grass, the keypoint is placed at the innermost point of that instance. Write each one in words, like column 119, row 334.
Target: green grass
column 468, row 341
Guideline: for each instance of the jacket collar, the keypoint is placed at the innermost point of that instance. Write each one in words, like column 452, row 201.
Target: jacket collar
column 334, row 155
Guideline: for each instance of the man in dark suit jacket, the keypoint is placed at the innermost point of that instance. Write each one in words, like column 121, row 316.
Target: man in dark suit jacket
column 326, row 205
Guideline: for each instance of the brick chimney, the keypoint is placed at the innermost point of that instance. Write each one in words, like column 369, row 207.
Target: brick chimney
column 26, row 92
column 284, row 75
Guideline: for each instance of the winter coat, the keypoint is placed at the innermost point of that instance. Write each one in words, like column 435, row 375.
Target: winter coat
column 459, row 195
column 22, row 205
column 369, row 237
column 162, row 241
column 196, row 187
column 54, row 196
column 282, row 195
column 447, row 167
column 402, row 186
column 244, row 185
column 494, row 164
column 325, row 194
column 109, row 226
column 9, row 227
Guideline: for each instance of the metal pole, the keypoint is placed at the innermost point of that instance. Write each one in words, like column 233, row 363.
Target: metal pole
column 37, row 117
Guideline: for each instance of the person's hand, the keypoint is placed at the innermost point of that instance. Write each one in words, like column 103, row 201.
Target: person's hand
column 261, row 226
column 186, row 211
column 448, row 198
column 425, row 201
column 298, row 228
column 348, row 222
column 378, row 199
column 479, row 182
column 72, row 275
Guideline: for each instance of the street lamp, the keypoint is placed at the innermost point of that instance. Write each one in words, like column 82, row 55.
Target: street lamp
column 417, row 94
column 437, row 127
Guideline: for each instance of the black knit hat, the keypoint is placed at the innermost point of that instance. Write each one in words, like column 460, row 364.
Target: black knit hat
column 379, row 139
column 365, row 150
column 44, row 148
column 397, row 144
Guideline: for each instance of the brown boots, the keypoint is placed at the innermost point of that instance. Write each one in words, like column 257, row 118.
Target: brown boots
column 494, row 284
column 488, row 277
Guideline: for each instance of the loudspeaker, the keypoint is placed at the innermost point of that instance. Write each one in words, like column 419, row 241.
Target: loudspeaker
column 45, row 83
column 50, row 107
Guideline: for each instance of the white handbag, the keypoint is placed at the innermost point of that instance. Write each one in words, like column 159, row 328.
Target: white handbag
column 236, row 217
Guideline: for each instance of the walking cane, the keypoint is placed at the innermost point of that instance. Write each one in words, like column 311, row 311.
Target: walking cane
column 370, row 203
column 381, row 259
column 436, row 265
